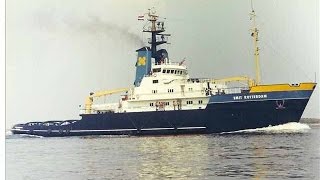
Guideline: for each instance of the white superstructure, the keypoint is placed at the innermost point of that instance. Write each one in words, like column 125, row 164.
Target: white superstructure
column 167, row 87
column 162, row 85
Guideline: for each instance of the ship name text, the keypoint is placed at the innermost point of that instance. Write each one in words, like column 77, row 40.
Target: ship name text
column 256, row 96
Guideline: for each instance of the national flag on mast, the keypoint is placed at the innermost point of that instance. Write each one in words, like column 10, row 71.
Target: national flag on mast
column 140, row 18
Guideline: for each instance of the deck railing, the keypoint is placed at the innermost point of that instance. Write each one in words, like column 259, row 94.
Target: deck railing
column 174, row 95
column 169, row 63
column 191, row 94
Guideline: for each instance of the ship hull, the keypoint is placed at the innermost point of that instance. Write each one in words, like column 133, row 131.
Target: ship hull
column 224, row 113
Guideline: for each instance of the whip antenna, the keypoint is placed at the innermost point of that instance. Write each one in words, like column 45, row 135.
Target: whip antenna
column 252, row 6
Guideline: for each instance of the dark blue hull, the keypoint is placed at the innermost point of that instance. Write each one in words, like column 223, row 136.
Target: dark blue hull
column 221, row 115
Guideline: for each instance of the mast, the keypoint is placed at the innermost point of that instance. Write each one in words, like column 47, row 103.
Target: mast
column 255, row 34
column 155, row 29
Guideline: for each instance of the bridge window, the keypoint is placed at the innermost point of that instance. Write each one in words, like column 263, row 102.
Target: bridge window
column 164, row 71
column 154, row 91
column 157, row 70
column 172, row 71
column 170, row 90
column 168, row 71
column 155, row 81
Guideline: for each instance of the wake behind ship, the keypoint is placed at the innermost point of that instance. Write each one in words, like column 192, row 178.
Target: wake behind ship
column 166, row 100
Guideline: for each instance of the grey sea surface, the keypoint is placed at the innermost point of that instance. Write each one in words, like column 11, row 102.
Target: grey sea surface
column 281, row 152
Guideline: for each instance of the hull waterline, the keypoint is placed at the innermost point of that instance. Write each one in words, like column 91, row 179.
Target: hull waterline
column 220, row 115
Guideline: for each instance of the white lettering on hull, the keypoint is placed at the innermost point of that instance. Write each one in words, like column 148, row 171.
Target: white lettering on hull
column 255, row 96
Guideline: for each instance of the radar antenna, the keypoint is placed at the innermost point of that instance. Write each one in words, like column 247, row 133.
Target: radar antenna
column 156, row 29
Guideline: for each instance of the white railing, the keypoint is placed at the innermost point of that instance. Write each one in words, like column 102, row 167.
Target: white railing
column 169, row 63
column 188, row 94
column 235, row 90
column 113, row 107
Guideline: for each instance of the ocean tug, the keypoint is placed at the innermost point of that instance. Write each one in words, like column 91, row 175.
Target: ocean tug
column 165, row 100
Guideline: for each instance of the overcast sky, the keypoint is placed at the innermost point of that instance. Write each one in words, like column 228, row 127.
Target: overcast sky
column 58, row 51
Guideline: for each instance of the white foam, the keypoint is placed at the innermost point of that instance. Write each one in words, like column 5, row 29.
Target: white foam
column 292, row 127
column 8, row 133
column 30, row 135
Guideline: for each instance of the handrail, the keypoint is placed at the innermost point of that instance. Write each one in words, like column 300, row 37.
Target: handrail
column 229, row 90
column 89, row 99
column 169, row 63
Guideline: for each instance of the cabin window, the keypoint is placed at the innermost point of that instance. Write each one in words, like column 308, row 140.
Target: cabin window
column 189, row 102
column 155, row 81
column 175, row 71
column 154, row 91
column 168, row 71
column 170, row 90
column 167, row 103
column 200, row 101
column 164, row 71
column 157, row 70
column 180, row 72
column 190, row 89
column 151, row 104
column 172, row 71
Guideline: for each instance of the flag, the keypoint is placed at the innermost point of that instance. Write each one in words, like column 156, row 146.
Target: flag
column 182, row 62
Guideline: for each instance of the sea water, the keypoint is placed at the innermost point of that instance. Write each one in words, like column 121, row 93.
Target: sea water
column 280, row 152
